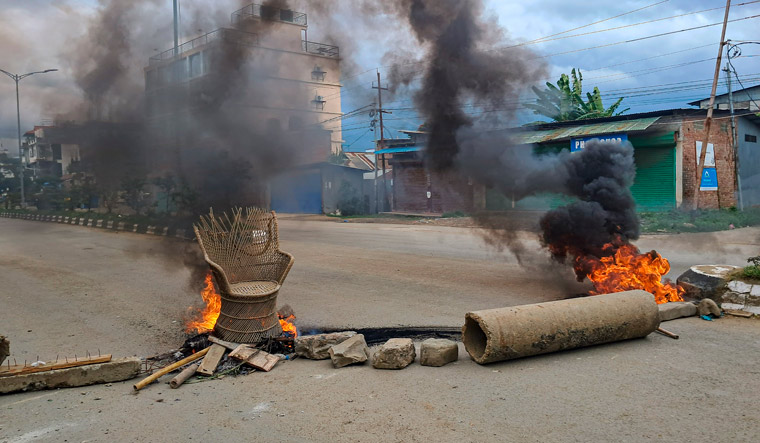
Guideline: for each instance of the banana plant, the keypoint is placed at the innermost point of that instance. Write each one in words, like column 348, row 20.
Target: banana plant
column 564, row 101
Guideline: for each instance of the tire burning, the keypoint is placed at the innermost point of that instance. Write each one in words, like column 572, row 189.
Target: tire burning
column 596, row 230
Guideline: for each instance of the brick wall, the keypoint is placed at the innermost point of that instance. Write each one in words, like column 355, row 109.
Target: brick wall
column 720, row 137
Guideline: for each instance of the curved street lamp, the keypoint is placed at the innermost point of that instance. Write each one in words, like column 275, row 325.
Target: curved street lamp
column 17, row 78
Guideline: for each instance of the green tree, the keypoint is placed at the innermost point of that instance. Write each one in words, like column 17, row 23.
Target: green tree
column 135, row 197
column 565, row 102
column 168, row 186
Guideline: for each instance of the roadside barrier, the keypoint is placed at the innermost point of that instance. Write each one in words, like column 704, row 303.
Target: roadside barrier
column 109, row 225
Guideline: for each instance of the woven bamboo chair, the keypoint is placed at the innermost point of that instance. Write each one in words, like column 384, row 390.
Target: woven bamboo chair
column 242, row 249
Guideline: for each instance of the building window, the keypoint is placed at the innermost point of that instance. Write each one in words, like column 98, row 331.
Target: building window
column 750, row 138
column 196, row 64
column 165, row 75
column 56, row 152
column 318, row 74
column 180, row 70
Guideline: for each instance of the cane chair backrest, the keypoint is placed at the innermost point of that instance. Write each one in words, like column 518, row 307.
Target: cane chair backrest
column 241, row 246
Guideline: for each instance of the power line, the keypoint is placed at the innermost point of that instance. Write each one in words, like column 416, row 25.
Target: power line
column 416, row 73
column 357, row 139
column 620, row 27
column 534, row 40
column 737, row 52
column 601, row 21
column 650, row 36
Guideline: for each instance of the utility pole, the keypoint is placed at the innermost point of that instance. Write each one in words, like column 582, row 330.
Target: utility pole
column 380, row 143
column 17, row 78
column 708, row 119
column 734, row 146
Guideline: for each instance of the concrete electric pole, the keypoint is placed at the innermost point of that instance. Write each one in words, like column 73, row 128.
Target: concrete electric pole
column 17, row 78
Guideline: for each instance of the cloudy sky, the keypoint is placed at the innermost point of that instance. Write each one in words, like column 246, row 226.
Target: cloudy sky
column 650, row 72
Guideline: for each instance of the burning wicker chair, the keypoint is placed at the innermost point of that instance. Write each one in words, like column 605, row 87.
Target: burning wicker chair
column 243, row 252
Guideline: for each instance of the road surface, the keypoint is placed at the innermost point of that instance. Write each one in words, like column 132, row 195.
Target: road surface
column 69, row 289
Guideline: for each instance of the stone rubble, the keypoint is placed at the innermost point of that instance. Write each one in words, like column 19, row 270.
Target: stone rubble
column 350, row 351
column 317, row 347
column 678, row 309
column 396, row 353
column 438, row 352
column 707, row 307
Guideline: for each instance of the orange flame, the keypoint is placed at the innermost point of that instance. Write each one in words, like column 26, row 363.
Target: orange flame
column 628, row 269
column 288, row 327
column 205, row 319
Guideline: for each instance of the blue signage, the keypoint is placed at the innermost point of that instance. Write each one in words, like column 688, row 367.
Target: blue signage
column 709, row 180
column 577, row 144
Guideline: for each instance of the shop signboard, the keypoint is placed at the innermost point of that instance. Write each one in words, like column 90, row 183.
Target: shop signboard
column 577, row 144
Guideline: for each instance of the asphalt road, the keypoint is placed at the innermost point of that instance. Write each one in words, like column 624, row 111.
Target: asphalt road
column 68, row 289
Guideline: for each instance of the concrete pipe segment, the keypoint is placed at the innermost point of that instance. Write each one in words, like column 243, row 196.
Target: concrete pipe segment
column 521, row 331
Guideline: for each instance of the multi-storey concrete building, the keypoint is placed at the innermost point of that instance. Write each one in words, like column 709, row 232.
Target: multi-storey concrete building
column 49, row 151
column 261, row 66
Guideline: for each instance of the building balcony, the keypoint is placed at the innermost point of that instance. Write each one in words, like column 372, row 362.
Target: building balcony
column 226, row 34
column 269, row 13
column 320, row 49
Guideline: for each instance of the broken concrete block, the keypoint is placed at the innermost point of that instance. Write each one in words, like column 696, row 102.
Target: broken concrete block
column 350, row 351
column 438, row 352
column 396, row 353
column 707, row 307
column 705, row 281
column 733, row 297
column 678, row 309
column 317, row 347
column 740, row 286
column 116, row 370
column 5, row 348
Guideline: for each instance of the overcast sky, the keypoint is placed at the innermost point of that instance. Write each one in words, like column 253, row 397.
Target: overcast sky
column 39, row 34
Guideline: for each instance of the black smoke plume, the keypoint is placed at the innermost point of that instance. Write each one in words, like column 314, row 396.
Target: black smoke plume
column 463, row 70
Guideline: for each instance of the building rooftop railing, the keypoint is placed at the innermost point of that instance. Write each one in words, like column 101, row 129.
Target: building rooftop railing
column 320, row 49
column 231, row 35
column 269, row 13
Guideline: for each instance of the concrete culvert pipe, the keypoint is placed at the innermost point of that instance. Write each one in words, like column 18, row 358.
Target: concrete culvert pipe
column 506, row 333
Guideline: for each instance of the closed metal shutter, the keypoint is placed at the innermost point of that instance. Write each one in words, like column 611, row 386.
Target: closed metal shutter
column 655, row 186
column 297, row 192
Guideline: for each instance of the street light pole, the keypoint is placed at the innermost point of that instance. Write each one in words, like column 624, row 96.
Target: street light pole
column 17, row 78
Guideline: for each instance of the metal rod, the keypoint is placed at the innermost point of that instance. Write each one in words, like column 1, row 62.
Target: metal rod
column 667, row 333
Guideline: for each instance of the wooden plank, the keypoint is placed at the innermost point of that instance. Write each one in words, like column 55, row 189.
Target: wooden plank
column 6, row 371
column 212, row 359
column 243, row 352
column 738, row 313
column 263, row 361
column 256, row 358
column 227, row 344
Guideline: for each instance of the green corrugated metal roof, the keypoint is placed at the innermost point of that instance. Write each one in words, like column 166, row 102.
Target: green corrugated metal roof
column 529, row 137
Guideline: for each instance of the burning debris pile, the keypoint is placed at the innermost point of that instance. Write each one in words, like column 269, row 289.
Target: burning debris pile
column 242, row 251
column 596, row 230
